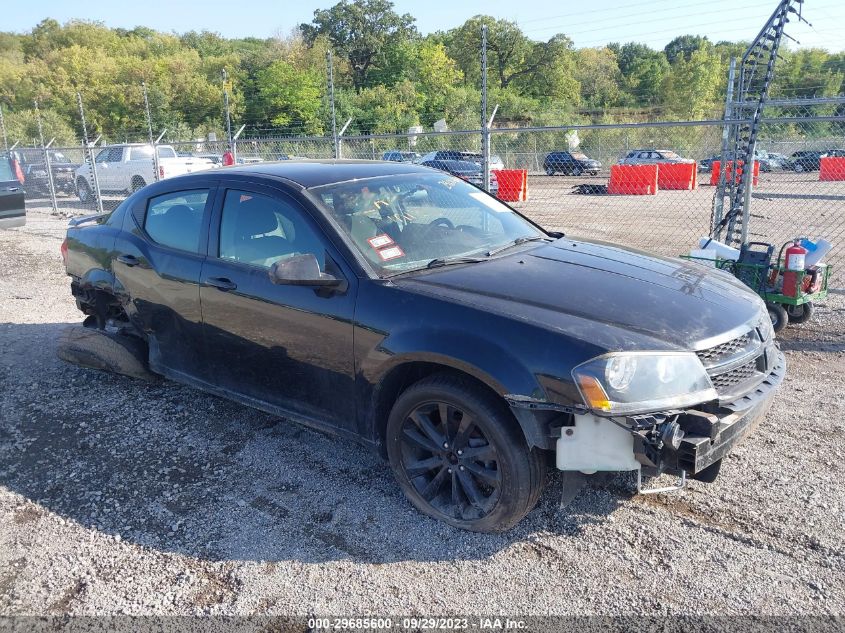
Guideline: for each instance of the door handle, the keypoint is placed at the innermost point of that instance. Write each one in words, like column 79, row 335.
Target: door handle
column 12, row 189
column 221, row 283
column 129, row 260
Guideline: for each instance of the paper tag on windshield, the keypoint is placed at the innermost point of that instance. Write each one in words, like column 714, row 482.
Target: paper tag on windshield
column 490, row 202
column 392, row 252
column 380, row 241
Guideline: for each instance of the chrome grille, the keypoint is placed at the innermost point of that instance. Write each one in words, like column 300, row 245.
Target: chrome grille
column 730, row 379
column 724, row 352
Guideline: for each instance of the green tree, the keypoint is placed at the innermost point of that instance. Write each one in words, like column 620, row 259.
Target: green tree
column 691, row 90
column 598, row 75
column 291, row 96
column 361, row 31
column 538, row 68
column 683, row 46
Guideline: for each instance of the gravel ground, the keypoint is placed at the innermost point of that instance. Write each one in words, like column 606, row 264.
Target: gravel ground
column 118, row 496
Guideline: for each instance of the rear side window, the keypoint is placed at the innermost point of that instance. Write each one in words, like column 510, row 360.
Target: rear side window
column 175, row 219
column 141, row 153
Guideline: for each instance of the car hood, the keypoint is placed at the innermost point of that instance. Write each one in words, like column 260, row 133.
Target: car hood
column 608, row 295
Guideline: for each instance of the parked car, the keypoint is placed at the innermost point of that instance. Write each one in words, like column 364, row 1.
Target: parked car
column 768, row 162
column 570, row 164
column 466, row 170
column 400, row 157
column 391, row 305
column 805, row 160
column 127, row 168
column 213, row 157
column 36, row 180
column 652, row 156
column 450, row 154
column 248, row 160
column 12, row 199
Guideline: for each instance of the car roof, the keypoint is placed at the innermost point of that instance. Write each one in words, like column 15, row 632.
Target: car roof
column 313, row 173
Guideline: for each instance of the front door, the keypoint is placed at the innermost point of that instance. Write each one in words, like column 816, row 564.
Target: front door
column 289, row 346
column 157, row 263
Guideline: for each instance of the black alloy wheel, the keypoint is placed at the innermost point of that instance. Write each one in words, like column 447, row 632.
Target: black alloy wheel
column 460, row 457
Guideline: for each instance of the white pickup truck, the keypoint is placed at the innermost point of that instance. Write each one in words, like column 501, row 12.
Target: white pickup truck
column 127, row 168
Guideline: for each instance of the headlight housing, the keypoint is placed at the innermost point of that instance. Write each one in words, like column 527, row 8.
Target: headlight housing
column 642, row 382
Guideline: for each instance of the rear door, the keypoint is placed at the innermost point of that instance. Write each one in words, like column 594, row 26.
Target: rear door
column 12, row 206
column 157, row 262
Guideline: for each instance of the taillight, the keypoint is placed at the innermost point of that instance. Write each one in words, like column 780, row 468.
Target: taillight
column 161, row 171
column 63, row 249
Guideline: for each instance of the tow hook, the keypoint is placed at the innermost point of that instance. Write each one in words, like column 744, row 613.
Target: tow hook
column 682, row 483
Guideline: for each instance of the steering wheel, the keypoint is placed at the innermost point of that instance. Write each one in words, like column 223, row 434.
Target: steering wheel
column 442, row 222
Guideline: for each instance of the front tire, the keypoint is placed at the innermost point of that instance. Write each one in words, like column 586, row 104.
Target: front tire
column 460, row 457
column 778, row 315
column 550, row 171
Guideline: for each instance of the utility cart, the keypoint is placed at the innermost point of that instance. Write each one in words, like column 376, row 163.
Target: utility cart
column 769, row 280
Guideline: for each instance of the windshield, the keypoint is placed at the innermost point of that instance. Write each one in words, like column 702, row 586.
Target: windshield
column 403, row 222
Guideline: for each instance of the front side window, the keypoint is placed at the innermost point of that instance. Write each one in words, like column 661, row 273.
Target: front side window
column 259, row 230
column 175, row 219
column 403, row 222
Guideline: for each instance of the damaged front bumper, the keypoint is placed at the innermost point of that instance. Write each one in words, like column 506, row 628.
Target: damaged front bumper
column 684, row 442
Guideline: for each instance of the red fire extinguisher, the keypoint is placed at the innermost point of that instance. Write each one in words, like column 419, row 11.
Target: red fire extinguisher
column 794, row 264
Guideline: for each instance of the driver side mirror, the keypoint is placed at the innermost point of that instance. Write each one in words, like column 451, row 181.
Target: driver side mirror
column 302, row 270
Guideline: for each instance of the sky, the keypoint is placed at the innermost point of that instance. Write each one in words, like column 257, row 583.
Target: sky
column 594, row 23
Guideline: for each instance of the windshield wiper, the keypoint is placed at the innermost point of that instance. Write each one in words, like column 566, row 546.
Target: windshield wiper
column 516, row 242
column 448, row 261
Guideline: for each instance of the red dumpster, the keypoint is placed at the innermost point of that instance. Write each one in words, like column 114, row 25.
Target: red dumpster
column 513, row 184
column 635, row 180
column 832, row 168
column 714, row 173
column 676, row 176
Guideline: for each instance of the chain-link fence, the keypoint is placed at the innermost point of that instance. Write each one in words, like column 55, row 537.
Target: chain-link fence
column 567, row 171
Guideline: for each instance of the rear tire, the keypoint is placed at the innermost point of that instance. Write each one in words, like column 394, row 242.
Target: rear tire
column 90, row 347
column 83, row 191
column 137, row 185
column 778, row 316
column 460, row 457
column 550, row 171
column 800, row 314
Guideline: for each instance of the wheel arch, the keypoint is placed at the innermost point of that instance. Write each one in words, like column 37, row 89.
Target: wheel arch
column 404, row 373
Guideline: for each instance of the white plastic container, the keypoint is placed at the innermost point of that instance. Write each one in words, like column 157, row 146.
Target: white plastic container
column 704, row 256
column 595, row 444
column 722, row 250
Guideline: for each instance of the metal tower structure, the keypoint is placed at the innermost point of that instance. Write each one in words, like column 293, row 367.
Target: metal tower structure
column 748, row 91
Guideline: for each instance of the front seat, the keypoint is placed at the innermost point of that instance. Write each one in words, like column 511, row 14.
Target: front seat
column 252, row 245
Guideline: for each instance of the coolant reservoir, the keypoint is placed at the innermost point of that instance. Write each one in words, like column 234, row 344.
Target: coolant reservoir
column 595, row 444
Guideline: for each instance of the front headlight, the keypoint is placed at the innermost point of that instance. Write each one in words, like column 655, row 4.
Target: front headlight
column 641, row 382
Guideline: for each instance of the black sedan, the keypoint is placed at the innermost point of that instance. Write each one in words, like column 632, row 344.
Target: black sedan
column 404, row 308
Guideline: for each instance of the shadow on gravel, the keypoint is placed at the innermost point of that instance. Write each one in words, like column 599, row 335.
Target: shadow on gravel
column 171, row 468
